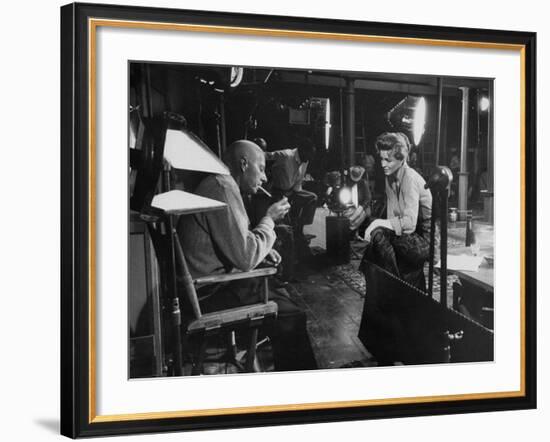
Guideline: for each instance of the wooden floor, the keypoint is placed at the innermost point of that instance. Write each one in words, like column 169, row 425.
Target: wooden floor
column 333, row 312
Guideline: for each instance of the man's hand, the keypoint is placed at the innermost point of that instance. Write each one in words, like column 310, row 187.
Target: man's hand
column 376, row 223
column 356, row 216
column 273, row 258
column 279, row 209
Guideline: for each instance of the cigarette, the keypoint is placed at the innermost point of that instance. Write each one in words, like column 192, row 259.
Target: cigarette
column 264, row 191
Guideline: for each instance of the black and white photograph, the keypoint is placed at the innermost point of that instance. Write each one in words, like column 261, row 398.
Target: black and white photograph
column 275, row 221
column 302, row 219
column 272, row 220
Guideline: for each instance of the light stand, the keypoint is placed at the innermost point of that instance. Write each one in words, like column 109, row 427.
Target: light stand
column 183, row 151
column 338, row 227
column 174, row 203
column 440, row 184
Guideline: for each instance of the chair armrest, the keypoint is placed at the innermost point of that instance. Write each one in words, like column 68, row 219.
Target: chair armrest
column 256, row 273
column 232, row 317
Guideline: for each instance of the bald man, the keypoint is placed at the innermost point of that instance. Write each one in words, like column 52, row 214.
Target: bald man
column 221, row 241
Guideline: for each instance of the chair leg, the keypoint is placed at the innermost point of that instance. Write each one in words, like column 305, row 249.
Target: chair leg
column 251, row 354
column 232, row 355
column 232, row 346
column 198, row 365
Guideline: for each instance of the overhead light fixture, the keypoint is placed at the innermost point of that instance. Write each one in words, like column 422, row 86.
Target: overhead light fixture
column 409, row 116
column 222, row 78
column 236, row 76
column 484, row 104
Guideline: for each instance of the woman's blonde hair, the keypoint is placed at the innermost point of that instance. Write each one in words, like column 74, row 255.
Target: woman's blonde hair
column 396, row 142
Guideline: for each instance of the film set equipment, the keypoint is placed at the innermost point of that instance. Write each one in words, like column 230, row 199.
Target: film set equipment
column 167, row 146
column 402, row 323
column 439, row 184
column 340, row 196
column 409, row 116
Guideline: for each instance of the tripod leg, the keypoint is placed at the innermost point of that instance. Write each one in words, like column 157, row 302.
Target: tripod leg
column 176, row 314
column 176, row 330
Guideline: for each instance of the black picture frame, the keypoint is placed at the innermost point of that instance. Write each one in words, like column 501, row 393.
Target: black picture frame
column 77, row 249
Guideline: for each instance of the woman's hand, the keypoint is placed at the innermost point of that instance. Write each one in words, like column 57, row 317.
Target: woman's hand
column 375, row 224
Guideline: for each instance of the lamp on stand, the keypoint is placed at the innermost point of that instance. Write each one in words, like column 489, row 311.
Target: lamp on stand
column 440, row 185
column 167, row 145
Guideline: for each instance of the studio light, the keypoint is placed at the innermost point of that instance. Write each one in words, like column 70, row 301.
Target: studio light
column 327, row 124
column 345, row 196
column 419, row 120
column 484, row 104
column 183, row 150
column 236, row 75
column 318, row 113
column 409, row 116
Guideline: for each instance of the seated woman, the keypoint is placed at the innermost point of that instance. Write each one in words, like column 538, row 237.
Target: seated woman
column 399, row 243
